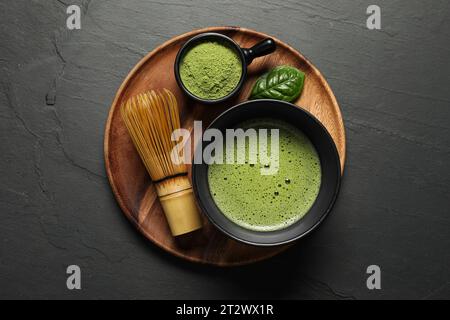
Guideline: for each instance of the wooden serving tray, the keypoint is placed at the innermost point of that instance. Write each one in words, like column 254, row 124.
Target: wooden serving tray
column 129, row 180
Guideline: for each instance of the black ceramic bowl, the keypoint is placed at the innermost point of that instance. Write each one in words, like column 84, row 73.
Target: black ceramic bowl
column 262, row 48
column 329, row 159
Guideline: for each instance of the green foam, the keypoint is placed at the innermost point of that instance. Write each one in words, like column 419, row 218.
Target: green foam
column 269, row 202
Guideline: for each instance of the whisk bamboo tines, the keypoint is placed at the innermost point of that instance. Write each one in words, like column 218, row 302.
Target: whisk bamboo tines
column 150, row 118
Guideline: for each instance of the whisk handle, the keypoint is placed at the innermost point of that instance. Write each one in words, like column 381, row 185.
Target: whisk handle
column 178, row 202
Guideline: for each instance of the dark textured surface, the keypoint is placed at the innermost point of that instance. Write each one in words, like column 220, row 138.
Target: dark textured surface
column 56, row 207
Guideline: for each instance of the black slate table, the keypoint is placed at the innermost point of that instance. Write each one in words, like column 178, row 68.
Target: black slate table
column 56, row 206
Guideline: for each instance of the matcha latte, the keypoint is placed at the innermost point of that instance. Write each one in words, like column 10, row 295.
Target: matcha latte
column 269, row 202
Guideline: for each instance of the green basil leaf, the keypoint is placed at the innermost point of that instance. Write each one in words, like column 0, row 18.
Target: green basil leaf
column 281, row 83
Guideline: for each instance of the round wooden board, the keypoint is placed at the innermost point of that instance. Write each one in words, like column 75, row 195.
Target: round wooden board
column 129, row 180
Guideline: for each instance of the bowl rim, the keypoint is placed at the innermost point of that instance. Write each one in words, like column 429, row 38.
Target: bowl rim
column 324, row 214
column 190, row 44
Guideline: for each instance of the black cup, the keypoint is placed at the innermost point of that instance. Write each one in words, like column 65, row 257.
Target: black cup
column 329, row 160
column 246, row 55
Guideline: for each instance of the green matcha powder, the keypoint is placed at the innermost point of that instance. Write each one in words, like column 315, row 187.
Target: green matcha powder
column 211, row 70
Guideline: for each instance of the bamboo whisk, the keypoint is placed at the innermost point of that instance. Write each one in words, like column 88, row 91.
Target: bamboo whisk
column 150, row 118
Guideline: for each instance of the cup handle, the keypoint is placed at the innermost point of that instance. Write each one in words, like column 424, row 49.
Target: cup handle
column 260, row 49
